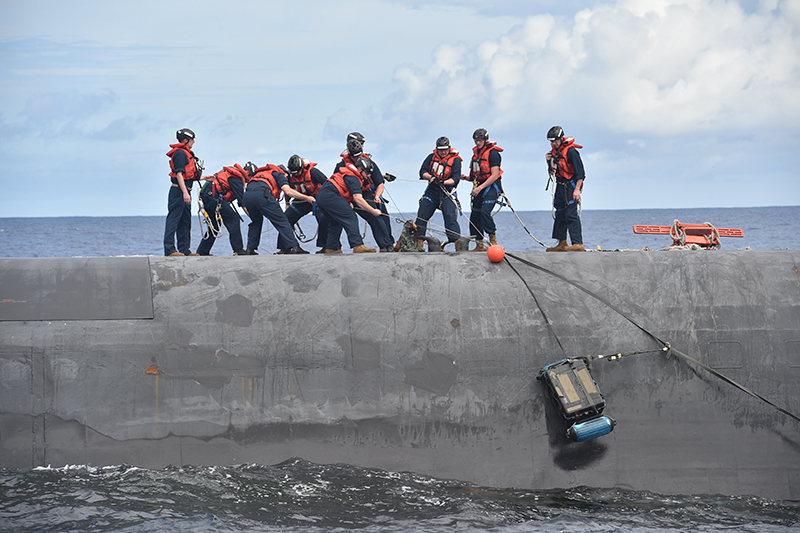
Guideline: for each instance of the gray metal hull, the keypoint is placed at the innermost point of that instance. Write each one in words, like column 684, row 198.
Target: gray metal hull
column 419, row 362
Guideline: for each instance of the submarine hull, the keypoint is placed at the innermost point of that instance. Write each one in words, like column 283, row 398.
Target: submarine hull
column 408, row 362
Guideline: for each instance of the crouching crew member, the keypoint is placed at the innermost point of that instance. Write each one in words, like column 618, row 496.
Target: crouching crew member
column 371, row 192
column 442, row 170
column 223, row 188
column 306, row 179
column 485, row 174
column 335, row 198
column 378, row 177
column 564, row 162
column 184, row 170
column 261, row 200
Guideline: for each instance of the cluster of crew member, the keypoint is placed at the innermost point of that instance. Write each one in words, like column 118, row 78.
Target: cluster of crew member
column 353, row 190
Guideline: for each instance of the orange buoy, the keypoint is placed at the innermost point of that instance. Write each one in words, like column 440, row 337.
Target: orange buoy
column 495, row 253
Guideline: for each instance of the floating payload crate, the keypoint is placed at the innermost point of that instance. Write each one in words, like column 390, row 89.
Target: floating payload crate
column 578, row 398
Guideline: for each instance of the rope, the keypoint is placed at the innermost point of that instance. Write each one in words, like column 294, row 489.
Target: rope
column 541, row 310
column 665, row 346
column 205, row 220
column 505, row 199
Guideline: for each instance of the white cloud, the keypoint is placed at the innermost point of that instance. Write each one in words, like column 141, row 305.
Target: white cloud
column 667, row 67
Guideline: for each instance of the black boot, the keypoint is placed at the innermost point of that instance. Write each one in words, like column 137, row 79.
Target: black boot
column 297, row 250
column 240, row 251
column 251, row 251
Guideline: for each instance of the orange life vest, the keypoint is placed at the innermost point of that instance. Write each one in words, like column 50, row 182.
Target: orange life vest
column 338, row 180
column 265, row 174
column 366, row 185
column 190, row 170
column 479, row 168
column 564, row 170
column 302, row 181
column 442, row 167
column 220, row 181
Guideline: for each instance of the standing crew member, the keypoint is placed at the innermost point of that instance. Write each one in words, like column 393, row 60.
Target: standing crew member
column 223, row 188
column 306, row 179
column 371, row 192
column 565, row 164
column 442, row 170
column 185, row 169
column 485, row 174
column 261, row 200
column 335, row 199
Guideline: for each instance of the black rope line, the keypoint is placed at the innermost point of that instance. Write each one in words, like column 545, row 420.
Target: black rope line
column 665, row 345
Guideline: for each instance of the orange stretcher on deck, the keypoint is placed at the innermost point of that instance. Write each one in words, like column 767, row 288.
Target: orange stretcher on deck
column 705, row 235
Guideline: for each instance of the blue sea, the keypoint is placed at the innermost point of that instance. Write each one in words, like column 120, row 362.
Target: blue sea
column 300, row 496
column 765, row 228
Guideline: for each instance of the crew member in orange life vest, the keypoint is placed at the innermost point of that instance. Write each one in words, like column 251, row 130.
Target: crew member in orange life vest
column 381, row 225
column 565, row 162
column 220, row 190
column 185, row 169
column 335, row 199
column 261, row 200
column 304, row 177
column 442, row 170
column 485, row 174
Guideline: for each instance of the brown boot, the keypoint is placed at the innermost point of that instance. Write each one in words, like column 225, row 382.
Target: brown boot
column 361, row 249
column 479, row 247
column 420, row 245
column 492, row 239
column 560, row 247
column 332, row 251
column 576, row 248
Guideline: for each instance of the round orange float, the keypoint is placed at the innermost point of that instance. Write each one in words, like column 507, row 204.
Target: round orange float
column 495, row 253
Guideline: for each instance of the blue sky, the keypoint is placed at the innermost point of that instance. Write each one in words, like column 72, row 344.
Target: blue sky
column 677, row 103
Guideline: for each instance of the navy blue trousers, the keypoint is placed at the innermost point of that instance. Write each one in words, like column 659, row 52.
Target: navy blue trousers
column 481, row 220
column 429, row 203
column 378, row 225
column 179, row 222
column 567, row 217
column 229, row 218
column 340, row 215
column 260, row 203
column 298, row 210
column 386, row 220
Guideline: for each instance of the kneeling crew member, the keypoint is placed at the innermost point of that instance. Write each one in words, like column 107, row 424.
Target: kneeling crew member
column 335, row 198
column 223, row 188
column 371, row 191
column 442, row 170
column 564, row 161
column 306, row 179
column 261, row 200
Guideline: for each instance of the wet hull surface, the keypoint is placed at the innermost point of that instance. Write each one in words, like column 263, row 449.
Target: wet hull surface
column 408, row 362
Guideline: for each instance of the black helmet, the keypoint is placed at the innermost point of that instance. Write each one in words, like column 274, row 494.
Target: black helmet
column 480, row 135
column 250, row 168
column 295, row 164
column 354, row 148
column 442, row 143
column 555, row 133
column 357, row 136
column 184, row 134
column 283, row 169
column 364, row 163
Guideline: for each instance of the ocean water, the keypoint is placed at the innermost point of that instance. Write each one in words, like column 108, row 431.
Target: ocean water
column 299, row 496
column 765, row 228
column 305, row 497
